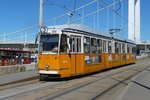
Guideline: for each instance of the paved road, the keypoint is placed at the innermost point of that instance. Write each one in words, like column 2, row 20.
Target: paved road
column 106, row 85
column 139, row 88
column 8, row 78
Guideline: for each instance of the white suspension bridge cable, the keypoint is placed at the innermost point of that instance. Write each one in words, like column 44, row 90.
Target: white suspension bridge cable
column 72, row 11
column 20, row 30
column 95, row 11
column 121, row 16
column 14, row 38
column 63, row 15
column 36, row 25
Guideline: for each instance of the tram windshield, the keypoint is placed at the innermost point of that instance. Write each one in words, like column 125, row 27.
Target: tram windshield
column 49, row 43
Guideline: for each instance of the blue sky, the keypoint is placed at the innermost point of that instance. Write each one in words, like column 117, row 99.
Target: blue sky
column 18, row 14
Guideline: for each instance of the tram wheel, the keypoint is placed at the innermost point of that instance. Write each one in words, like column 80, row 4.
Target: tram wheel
column 41, row 78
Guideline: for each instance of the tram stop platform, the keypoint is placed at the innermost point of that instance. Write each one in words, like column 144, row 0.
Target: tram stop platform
column 9, row 74
column 139, row 88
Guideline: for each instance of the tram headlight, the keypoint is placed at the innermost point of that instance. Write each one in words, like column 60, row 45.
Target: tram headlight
column 47, row 66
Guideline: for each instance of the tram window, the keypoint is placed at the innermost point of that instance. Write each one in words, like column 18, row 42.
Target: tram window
column 72, row 46
column 78, row 45
column 109, row 47
column 86, row 45
column 116, row 47
column 99, row 46
column 104, row 46
column 134, row 49
column 128, row 49
column 63, row 44
column 119, row 47
column 123, row 48
column 93, row 45
column 49, row 42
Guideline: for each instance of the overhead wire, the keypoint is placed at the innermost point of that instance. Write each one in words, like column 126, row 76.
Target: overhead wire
column 119, row 6
column 125, row 19
column 27, row 28
column 14, row 38
column 70, row 10
column 23, row 29
column 76, row 9
column 74, row 6
column 50, row 3
column 36, row 25
column 96, row 11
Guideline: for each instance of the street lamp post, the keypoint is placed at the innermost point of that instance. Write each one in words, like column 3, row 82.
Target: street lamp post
column 145, row 48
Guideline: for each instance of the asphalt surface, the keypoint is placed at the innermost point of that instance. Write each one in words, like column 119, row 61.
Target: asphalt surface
column 139, row 87
column 8, row 78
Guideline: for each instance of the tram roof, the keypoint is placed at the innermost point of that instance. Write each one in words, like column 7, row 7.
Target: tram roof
column 82, row 29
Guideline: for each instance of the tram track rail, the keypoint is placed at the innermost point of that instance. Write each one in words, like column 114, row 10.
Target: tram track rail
column 119, row 82
column 63, row 89
column 55, row 96
column 18, row 83
column 14, row 85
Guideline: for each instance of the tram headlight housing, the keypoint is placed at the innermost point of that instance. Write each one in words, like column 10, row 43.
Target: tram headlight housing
column 47, row 66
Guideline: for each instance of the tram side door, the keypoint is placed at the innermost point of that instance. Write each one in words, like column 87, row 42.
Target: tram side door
column 75, row 48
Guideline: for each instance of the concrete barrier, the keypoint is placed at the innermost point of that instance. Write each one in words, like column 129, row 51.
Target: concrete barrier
column 17, row 68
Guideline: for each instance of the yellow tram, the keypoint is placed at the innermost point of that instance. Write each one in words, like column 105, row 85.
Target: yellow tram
column 73, row 51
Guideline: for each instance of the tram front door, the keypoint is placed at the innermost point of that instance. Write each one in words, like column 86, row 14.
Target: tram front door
column 75, row 56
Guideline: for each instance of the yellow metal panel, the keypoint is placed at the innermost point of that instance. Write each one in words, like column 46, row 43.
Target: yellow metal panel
column 51, row 60
column 76, row 64
column 65, row 65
